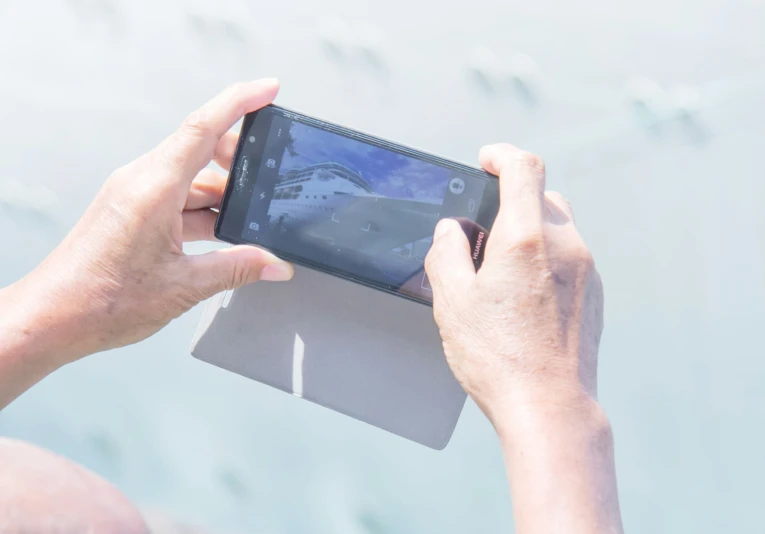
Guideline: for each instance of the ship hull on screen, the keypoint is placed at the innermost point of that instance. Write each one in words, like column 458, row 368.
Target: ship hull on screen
column 330, row 203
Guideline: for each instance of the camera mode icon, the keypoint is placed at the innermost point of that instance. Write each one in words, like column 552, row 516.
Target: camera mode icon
column 457, row 186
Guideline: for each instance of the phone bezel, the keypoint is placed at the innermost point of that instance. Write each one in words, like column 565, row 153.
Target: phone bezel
column 487, row 210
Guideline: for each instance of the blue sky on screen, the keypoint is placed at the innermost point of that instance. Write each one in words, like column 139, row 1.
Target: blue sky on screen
column 389, row 174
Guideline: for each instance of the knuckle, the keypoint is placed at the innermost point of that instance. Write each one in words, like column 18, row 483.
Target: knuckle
column 121, row 179
column 120, row 173
column 235, row 90
column 581, row 255
column 196, row 123
column 557, row 197
column 197, row 284
column 532, row 161
column 504, row 150
column 530, row 242
column 558, row 204
column 585, row 258
column 239, row 274
column 566, row 202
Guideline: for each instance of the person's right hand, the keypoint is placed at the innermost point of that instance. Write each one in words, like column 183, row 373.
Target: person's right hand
column 524, row 330
column 522, row 336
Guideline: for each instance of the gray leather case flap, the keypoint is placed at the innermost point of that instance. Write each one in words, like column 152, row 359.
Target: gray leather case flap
column 364, row 353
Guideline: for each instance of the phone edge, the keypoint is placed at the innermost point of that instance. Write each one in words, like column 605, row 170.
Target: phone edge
column 414, row 152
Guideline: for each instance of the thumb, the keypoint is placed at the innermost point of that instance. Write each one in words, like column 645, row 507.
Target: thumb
column 235, row 267
column 448, row 264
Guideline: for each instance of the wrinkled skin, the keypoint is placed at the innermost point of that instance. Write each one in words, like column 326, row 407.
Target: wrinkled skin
column 521, row 334
column 527, row 325
column 121, row 273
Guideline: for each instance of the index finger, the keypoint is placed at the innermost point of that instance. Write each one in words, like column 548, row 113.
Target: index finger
column 192, row 147
column 521, row 183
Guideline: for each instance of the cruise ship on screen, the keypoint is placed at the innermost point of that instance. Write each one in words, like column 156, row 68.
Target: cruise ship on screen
column 330, row 202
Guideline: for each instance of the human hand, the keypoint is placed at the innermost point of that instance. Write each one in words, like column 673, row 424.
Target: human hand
column 121, row 274
column 522, row 336
column 524, row 330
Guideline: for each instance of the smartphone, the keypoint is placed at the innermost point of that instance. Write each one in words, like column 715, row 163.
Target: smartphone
column 347, row 203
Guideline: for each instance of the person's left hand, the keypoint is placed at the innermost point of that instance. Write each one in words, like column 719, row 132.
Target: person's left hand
column 121, row 274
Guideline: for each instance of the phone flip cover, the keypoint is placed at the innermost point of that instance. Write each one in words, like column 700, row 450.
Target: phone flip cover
column 367, row 354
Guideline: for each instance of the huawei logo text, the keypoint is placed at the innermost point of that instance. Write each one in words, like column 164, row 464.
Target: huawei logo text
column 478, row 243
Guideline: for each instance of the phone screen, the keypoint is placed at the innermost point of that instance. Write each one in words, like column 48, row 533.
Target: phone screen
column 345, row 202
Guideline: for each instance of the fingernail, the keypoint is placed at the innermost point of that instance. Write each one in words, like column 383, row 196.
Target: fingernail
column 442, row 228
column 277, row 272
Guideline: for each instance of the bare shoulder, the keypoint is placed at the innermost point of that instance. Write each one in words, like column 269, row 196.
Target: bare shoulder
column 43, row 492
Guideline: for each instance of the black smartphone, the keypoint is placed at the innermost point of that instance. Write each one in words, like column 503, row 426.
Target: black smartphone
column 347, row 203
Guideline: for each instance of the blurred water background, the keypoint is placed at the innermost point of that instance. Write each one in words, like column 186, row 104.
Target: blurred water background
column 650, row 117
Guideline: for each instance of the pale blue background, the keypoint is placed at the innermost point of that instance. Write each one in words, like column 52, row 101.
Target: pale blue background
column 673, row 215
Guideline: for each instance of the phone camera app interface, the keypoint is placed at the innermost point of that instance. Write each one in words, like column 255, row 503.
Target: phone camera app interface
column 352, row 206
